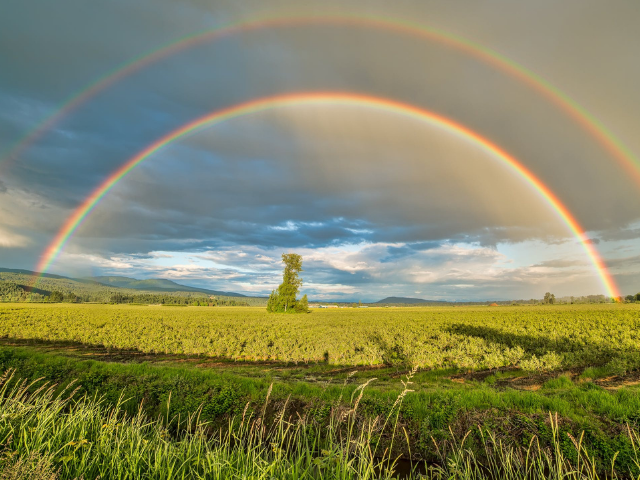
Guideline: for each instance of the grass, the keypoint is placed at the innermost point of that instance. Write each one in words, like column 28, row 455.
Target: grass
column 437, row 408
column 488, row 380
column 57, row 435
column 51, row 434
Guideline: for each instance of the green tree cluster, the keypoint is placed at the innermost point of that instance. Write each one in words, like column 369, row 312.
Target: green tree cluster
column 56, row 296
column 549, row 298
column 172, row 299
column 283, row 299
column 12, row 292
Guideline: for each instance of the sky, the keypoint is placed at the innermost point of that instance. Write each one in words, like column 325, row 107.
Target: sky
column 378, row 203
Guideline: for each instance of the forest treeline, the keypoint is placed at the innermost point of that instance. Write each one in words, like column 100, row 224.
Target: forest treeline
column 15, row 288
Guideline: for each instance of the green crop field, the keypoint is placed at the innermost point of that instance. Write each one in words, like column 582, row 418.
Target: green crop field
column 225, row 392
column 532, row 338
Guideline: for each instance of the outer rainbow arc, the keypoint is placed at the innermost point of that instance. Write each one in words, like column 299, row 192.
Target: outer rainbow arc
column 261, row 104
column 622, row 153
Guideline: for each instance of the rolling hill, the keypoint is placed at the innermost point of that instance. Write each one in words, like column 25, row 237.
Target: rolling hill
column 15, row 284
column 155, row 285
column 407, row 300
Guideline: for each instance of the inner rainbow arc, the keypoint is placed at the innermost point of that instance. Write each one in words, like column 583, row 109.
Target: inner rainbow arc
column 308, row 98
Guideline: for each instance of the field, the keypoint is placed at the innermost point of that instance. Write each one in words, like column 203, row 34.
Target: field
column 542, row 338
column 489, row 375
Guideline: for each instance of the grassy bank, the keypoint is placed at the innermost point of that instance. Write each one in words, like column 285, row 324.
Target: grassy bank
column 47, row 433
column 439, row 409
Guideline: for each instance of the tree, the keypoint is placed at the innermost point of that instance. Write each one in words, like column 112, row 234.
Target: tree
column 630, row 298
column 56, row 296
column 283, row 299
column 71, row 297
column 549, row 298
column 117, row 298
column 273, row 302
column 303, row 305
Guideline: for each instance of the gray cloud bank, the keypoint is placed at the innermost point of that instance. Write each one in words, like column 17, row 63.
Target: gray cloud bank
column 315, row 178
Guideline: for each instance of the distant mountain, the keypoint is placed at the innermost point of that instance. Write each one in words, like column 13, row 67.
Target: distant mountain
column 30, row 273
column 407, row 300
column 18, row 286
column 155, row 285
column 23, row 277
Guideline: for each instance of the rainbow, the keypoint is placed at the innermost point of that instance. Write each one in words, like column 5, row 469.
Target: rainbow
column 332, row 98
column 607, row 139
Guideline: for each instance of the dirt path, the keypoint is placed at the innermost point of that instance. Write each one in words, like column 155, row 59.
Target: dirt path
column 315, row 372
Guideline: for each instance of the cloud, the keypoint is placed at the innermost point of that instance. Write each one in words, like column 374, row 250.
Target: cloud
column 621, row 234
column 623, row 263
column 560, row 263
column 452, row 272
column 9, row 239
column 372, row 197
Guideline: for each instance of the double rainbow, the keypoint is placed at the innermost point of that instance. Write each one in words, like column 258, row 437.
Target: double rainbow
column 332, row 98
column 619, row 151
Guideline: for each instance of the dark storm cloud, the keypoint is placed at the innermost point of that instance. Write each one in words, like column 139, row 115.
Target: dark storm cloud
column 53, row 49
column 621, row 234
column 310, row 190
column 315, row 178
column 624, row 263
column 395, row 253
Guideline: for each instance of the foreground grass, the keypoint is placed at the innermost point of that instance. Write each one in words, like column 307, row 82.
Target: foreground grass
column 489, row 376
column 57, row 436
column 427, row 419
column 49, row 435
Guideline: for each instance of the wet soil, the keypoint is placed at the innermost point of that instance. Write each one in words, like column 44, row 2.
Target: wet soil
column 506, row 378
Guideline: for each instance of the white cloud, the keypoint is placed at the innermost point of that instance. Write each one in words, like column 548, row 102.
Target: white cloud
column 10, row 239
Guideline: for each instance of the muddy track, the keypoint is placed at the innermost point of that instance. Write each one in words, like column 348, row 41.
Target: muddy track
column 535, row 381
column 519, row 381
column 105, row 354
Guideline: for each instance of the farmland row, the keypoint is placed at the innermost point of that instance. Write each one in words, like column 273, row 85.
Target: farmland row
column 532, row 338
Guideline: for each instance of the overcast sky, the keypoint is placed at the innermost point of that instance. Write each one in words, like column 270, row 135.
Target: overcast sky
column 377, row 203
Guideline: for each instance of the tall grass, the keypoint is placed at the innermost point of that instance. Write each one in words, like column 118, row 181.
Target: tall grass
column 510, row 462
column 48, row 435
